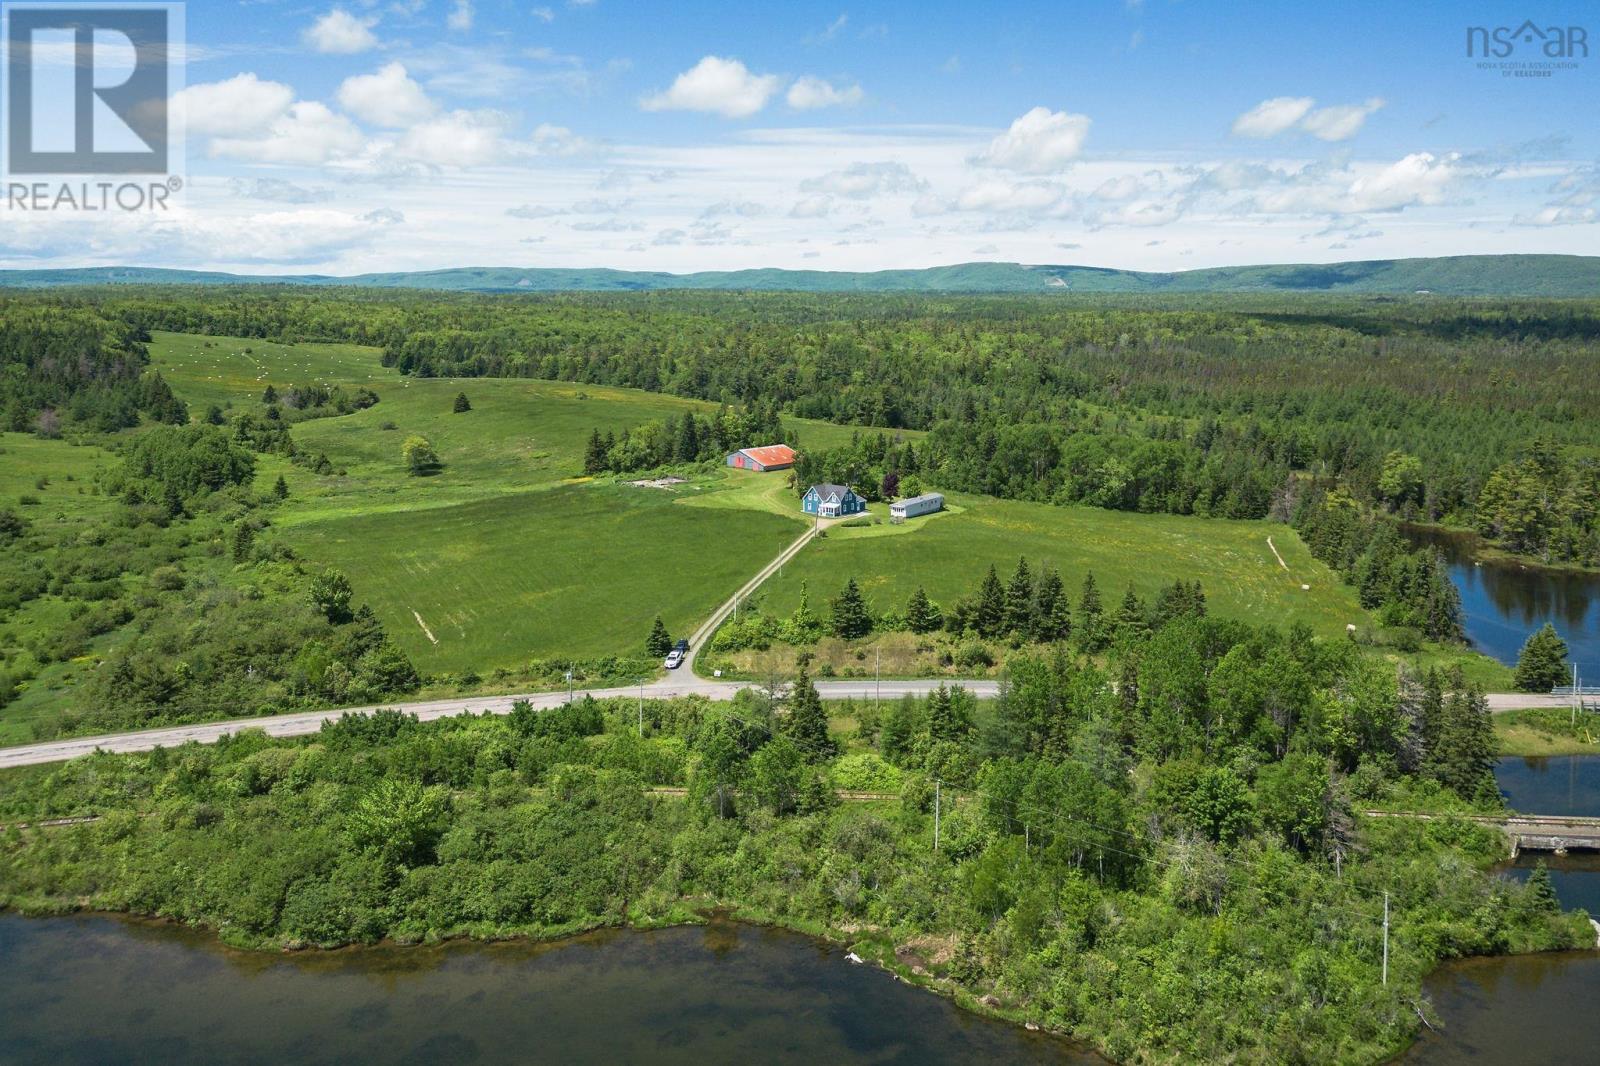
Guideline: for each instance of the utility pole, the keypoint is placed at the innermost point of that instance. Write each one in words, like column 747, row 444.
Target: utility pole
column 1576, row 695
column 877, row 681
column 1386, row 938
column 936, row 814
column 569, row 686
column 641, row 707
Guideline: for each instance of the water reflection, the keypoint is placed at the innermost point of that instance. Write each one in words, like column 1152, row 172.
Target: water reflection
column 1502, row 602
column 1554, row 784
column 100, row 990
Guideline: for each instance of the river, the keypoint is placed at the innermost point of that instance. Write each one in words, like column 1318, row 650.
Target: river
column 1528, row 1008
column 96, row 989
column 1502, row 602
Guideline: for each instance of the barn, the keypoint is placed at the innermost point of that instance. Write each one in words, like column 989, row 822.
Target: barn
column 770, row 457
column 927, row 503
column 832, row 501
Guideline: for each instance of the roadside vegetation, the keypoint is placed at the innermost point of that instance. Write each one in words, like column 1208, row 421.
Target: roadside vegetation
column 1174, row 867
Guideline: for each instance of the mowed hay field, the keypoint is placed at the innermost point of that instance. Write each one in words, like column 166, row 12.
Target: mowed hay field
column 949, row 554
column 575, row 571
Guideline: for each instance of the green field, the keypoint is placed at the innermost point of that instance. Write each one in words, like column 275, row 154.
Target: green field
column 504, row 554
column 948, row 554
column 575, row 571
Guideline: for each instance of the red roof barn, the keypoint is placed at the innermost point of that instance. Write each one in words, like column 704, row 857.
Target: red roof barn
column 770, row 457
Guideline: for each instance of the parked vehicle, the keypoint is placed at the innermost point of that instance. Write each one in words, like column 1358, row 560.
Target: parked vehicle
column 674, row 658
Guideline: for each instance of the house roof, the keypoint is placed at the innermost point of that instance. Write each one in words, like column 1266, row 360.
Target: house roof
column 824, row 491
column 770, row 454
column 926, row 497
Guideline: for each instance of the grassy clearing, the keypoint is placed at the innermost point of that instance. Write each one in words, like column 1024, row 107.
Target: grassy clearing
column 577, row 571
column 1546, row 731
column 948, row 556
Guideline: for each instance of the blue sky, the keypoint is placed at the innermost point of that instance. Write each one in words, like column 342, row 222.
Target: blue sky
column 1167, row 134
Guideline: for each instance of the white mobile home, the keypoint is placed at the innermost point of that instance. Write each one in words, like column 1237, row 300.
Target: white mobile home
column 927, row 503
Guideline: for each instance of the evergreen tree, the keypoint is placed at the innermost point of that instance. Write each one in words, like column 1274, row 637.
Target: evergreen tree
column 922, row 616
column 280, row 489
column 462, row 404
column 659, row 642
column 941, row 726
column 1540, row 891
column 269, row 395
column 1543, row 662
column 1467, row 746
column 242, row 542
column 807, row 724
column 1019, row 600
column 899, row 731
column 990, row 617
column 687, row 446
column 596, row 455
column 1051, row 621
column 214, row 415
column 1131, row 621
column 1090, row 624
column 851, row 619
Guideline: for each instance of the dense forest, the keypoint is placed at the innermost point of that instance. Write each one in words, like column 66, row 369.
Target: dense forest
column 1174, row 866
column 1214, row 406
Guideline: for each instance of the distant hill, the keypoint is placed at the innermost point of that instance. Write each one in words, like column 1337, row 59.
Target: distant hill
column 1465, row 275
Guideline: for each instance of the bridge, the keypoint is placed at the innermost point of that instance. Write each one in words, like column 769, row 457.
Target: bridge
column 1581, row 697
column 1558, row 833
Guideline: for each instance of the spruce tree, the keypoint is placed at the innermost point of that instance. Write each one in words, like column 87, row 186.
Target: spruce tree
column 659, row 642
column 1543, row 662
column 596, row 456
column 807, row 724
column 851, row 620
column 921, row 614
column 941, row 725
column 243, row 542
column 280, row 489
column 899, row 731
column 1019, row 600
column 269, row 395
column 1047, row 607
column 990, row 618
column 1090, row 622
column 1131, row 621
column 1541, row 892
column 462, row 404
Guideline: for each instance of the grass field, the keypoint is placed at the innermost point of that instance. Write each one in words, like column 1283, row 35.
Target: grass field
column 576, row 571
column 948, row 555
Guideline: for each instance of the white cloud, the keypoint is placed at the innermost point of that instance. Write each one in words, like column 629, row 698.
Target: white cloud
column 1419, row 178
column 862, row 181
column 544, row 14
column 388, row 98
column 341, row 33
column 810, row 93
column 1272, row 117
column 724, row 87
column 811, row 207
column 1004, row 197
column 278, row 190
column 460, row 17
column 1339, row 123
column 1040, row 142
column 239, row 107
column 1555, row 215
column 457, row 139
column 1281, row 114
column 308, row 134
column 533, row 211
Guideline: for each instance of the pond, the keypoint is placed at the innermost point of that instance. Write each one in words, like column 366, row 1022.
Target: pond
column 1502, row 602
column 95, row 989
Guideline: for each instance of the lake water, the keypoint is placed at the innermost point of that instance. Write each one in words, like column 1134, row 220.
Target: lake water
column 92, row 989
column 1503, row 602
